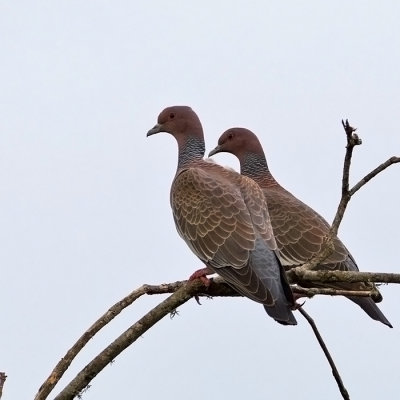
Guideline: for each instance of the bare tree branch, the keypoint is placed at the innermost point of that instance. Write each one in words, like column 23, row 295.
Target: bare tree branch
column 328, row 356
column 181, row 296
column 217, row 288
column 65, row 362
column 373, row 173
column 299, row 276
column 352, row 140
column 3, row 378
column 214, row 289
column 184, row 290
column 311, row 292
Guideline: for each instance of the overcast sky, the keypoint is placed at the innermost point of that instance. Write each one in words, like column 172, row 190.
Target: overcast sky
column 84, row 195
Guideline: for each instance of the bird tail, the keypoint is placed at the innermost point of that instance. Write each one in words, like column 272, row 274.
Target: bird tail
column 369, row 306
column 282, row 307
column 278, row 311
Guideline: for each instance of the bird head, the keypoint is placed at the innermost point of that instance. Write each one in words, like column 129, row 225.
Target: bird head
column 179, row 121
column 239, row 142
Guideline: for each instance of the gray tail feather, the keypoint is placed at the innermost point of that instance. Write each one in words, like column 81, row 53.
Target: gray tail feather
column 288, row 301
column 281, row 313
column 369, row 306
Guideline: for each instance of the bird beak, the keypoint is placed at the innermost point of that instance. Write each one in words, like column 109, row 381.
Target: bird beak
column 156, row 129
column 215, row 151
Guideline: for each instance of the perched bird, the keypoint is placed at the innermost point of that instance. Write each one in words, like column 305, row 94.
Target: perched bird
column 223, row 218
column 299, row 230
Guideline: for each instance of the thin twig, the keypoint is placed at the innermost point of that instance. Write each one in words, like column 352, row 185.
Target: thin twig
column 328, row 356
column 352, row 141
column 373, row 173
column 3, row 378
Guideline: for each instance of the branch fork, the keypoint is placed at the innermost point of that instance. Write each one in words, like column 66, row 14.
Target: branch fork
column 182, row 291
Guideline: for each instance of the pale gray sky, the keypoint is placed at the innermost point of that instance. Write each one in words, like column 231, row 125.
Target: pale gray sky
column 84, row 195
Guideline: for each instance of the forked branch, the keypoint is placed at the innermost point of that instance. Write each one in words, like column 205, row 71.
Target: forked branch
column 182, row 291
column 352, row 140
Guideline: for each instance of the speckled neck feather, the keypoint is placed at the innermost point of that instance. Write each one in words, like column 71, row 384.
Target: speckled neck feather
column 255, row 166
column 191, row 150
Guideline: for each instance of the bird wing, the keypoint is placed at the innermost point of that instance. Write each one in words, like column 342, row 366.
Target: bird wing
column 300, row 232
column 223, row 218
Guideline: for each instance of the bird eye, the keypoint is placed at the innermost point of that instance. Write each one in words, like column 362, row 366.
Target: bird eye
column 230, row 135
column 171, row 116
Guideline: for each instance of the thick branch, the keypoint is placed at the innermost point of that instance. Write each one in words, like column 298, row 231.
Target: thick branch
column 183, row 291
column 65, row 362
column 214, row 289
column 217, row 288
column 311, row 292
column 181, row 296
column 300, row 275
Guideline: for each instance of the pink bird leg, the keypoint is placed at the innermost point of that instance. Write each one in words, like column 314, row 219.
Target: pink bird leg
column 202, row 275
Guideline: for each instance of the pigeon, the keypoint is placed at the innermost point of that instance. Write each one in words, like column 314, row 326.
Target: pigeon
column 299, row 230
column 223, row 218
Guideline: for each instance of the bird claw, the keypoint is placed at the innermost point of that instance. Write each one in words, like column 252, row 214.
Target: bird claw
column 296, row 305
column 202, row 275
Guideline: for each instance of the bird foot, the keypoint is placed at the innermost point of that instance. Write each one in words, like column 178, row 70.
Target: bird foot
column 202, row 275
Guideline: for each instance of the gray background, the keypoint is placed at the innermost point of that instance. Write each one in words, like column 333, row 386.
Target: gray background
column 84, row 195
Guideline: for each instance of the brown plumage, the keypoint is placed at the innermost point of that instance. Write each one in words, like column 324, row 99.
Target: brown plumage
column 223, row 218
column 299, row 230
